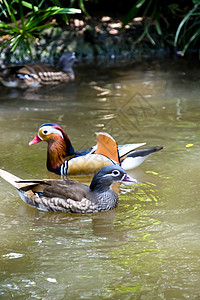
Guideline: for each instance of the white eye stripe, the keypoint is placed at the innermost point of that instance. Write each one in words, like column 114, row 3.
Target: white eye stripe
column 106, row 175
column 48, row 130
column 114, row 173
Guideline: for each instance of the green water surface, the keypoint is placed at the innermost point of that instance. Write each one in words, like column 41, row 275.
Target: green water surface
column 147, row 248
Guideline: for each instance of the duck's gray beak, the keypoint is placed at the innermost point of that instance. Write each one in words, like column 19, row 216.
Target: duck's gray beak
column 128, row 178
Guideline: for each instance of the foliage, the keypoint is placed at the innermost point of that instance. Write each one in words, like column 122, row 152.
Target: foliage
column 190, row 28
column 81, row 5
column 24, row 27
column 152, row 13
column 23, row 20
column 169, row 12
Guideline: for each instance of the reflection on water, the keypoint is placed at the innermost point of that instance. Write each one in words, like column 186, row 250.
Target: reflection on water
column 147, row 248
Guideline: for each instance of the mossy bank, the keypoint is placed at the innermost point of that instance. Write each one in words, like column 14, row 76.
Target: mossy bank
column 91, row 40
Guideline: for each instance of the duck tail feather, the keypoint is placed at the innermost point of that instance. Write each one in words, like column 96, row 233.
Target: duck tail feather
column 12, row 179
column 145, row 152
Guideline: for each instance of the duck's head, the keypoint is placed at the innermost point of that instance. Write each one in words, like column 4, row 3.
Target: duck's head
column 107, row 176
column 66, row 61
column 52, row 133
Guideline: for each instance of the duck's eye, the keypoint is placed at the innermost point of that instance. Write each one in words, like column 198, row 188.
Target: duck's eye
column 45, row 132
column 115, row 173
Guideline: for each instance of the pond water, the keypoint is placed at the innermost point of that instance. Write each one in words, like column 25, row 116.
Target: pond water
column 146, row 248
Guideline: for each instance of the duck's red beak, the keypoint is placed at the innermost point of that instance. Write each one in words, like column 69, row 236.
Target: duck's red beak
column 36, row 140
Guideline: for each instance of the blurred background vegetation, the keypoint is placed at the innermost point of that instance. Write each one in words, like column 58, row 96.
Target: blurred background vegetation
column 176, row 22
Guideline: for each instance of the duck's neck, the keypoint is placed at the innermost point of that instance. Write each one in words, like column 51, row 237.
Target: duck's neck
column 106, row 200
column 99, row 187
column 58, row 150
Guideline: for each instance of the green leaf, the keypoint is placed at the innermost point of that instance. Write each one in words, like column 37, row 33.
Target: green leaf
column 3, row 11
column 183, row 22
column 193, row 37
column 82, row 6
column 22, row 35
column 132, row 13
column 41, row 27
column 11, row 13
column 30, row 6
column 56, row 2
column 21, row 13
column 158, row 28
column 195, row 2
column 62, row 10
column 9, row 29
column 4, row 25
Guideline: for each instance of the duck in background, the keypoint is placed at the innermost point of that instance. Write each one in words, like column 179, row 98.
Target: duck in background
column 69, row 195
column 39, row 74
column 62, row 159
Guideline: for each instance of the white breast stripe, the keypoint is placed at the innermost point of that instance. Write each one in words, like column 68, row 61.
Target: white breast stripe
column 64, row 168
column 61, row 170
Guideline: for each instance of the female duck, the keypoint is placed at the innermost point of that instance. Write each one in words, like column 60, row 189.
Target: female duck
column 39, row 74
column 69, row 195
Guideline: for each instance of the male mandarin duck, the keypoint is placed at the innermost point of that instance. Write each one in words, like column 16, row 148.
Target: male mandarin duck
column 64, row 160
column 69, row 195
column 39, row 74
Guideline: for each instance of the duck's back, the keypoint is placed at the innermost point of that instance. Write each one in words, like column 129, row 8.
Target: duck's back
column 39, row 74
column 43, row 74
